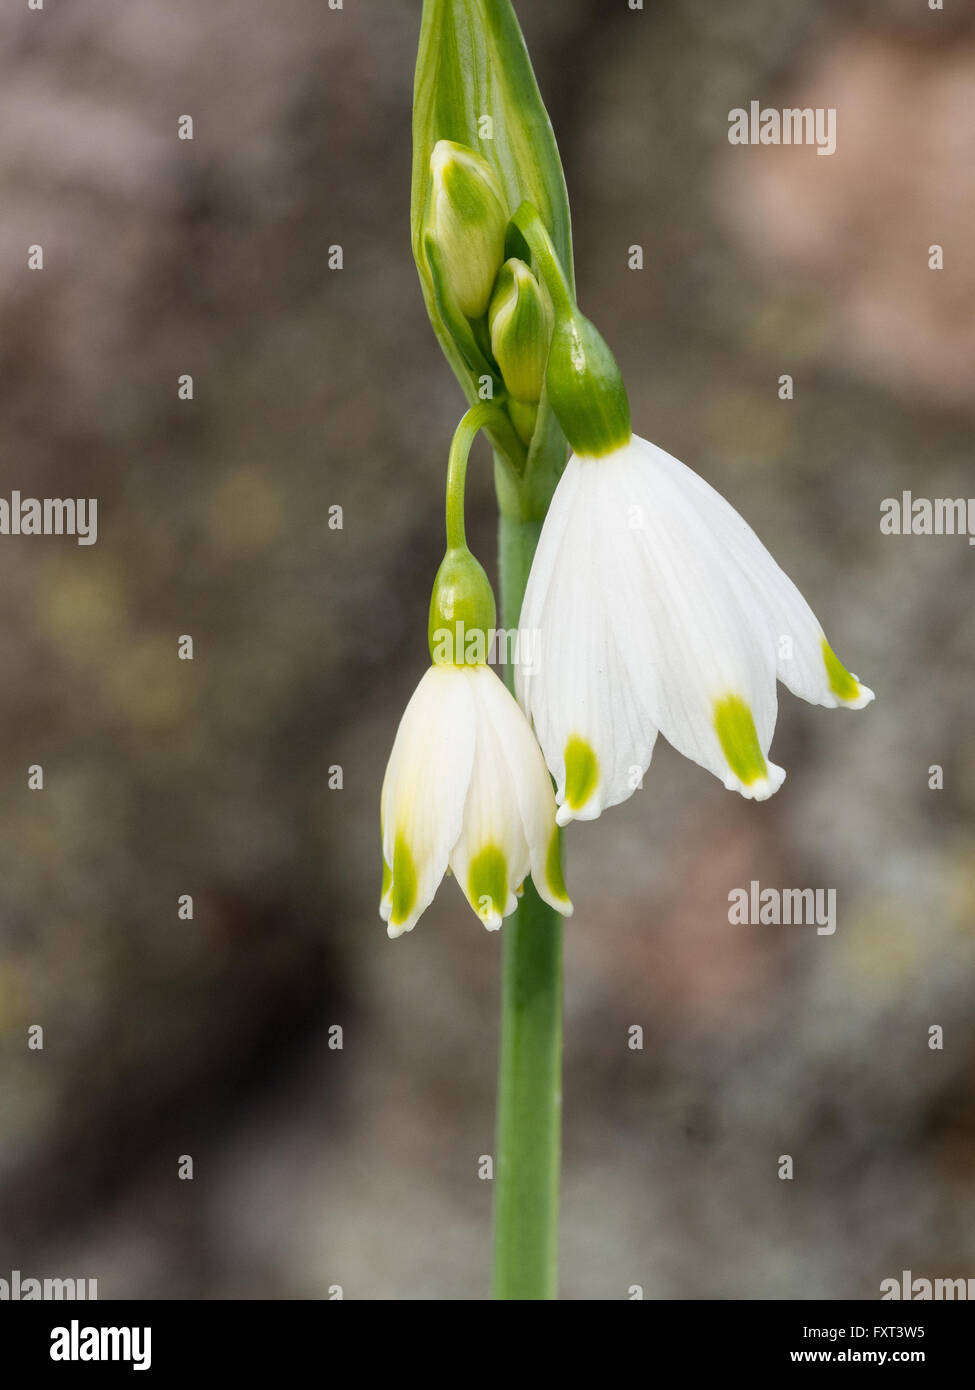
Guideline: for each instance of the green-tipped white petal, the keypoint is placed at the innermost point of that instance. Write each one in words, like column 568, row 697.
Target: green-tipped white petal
column 532, row 788
column 424, row 793
column 490, row 857
column 592, row 720
column 805, row 662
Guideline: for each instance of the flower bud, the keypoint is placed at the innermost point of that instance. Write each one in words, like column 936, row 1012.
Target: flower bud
column 521, row 328
column 462, row 611
column 467, row 219
column 585, row 388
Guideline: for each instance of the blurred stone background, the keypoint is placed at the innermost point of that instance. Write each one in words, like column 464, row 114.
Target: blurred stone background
column 315, row 1167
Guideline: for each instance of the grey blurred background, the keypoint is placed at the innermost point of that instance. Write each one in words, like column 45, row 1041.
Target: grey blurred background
column 316, row 1167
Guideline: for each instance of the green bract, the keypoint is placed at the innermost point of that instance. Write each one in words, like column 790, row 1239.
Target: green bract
column 475, row 87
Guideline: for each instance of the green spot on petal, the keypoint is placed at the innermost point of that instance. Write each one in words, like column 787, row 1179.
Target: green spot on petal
column 843, row 685
column 387, row 878
column 553, row 868
column 487, row 882
column 581, row 772
column 739, row 740
column 404, row 883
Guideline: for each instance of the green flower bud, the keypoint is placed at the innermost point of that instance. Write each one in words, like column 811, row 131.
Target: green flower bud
column 583, row 383
column 462, row 611
column 467, row 220
column 585, row 388
column 521, row 329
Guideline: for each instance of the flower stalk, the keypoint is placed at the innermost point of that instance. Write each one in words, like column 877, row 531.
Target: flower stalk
column 477, row 418
column 529, row 1116
column 475, row 88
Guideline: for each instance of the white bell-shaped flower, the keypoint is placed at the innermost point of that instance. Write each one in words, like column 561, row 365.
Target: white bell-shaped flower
column 653, row 606
column 466, row 786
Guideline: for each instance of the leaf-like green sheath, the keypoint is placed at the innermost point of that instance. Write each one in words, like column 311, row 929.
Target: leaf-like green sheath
column 472, row 64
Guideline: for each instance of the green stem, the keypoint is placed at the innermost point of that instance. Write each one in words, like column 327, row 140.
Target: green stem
column 526, row 1180
column 489, row 415
column 547, row 263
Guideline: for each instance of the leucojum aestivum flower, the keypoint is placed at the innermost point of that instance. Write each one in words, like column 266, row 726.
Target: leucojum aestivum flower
column 466, row 783
column 651, row 605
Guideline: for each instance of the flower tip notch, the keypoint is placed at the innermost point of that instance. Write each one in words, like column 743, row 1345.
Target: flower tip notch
column 761, row 788
column 560, row 902
column 864, row 698
column 845, row 688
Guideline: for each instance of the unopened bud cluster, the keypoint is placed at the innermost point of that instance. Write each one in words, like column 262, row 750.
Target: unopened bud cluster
column 507, row 309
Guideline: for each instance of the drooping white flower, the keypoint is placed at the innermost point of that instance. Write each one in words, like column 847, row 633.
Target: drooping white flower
column 466, row 786
column 653, row 606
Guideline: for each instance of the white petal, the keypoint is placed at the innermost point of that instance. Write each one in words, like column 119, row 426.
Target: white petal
column 590, row 714
column 490, row 857
column 804, row 661
column 424, row 791
column 700, row 640
column 532, row 788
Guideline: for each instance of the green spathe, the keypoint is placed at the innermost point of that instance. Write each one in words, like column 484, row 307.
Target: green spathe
column 475, row 86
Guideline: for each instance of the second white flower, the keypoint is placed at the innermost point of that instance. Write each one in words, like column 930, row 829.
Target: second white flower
column 653, row 606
